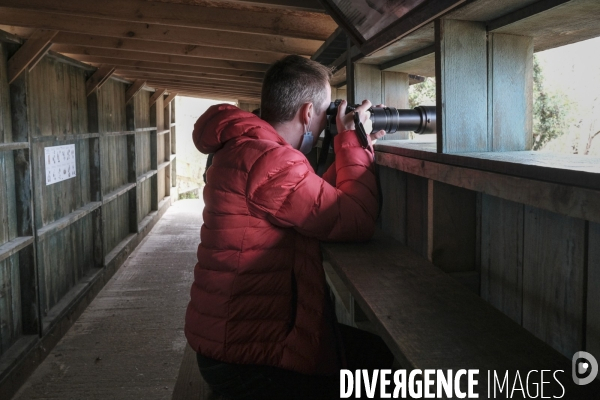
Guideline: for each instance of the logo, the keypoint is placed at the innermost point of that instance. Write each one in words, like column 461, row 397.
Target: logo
column 585, row 368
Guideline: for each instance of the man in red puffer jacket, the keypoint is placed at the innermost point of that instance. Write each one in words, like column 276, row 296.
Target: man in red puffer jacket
column 259, row 316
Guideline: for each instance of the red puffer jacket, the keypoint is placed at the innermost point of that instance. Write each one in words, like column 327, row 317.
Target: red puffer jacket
column 259, row 293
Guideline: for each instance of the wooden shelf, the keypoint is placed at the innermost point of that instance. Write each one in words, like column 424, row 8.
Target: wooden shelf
column 13, row 247
column 147, row 175
column 566, row 169
column 14, row 146
column 529, row 178
column 62, row 223
column 107, row 198
column 173, row 124
column 417, row 307
column 160, row 133
column 173, row 156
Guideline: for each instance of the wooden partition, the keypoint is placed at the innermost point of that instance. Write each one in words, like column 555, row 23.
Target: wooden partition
column 62, row 239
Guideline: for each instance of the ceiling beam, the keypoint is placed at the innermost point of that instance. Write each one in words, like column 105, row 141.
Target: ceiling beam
column 278, row 22
column 140, row 56
column 215, row 83
column 250, row 76
column 100, row 76
column 188, row 75
column 215, row 95
column 303, row 5
column 158, row 33
column 176, row 49
column 30, row 53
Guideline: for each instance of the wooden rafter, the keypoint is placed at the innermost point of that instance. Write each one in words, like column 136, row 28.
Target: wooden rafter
column 158, row 33
column 134, row 89
column 281, row 23
column 174, row 49
column 30, row 53
column 170, row 97
column 156, row 95
column 81, row 53
column 100, row 76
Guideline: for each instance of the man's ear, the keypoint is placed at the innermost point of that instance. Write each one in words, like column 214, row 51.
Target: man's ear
column 306, row 113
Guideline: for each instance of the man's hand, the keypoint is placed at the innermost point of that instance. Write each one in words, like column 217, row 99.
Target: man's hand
column 345, row 121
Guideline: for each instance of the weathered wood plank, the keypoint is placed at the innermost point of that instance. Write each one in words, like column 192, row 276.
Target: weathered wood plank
column 395, row 94
column 263, row 21
column 451, row 227
column 144, row 198
column 510, row 96
column 117, row 221
column 117, row 193
column 444, row 326
column 106, row 49
column 553, row 279
column 417, row 190
column 191, row 36
column 5, row 107
column 30, row 53
column 393, row 208
column 592, row 344
column 367, row 84
column 461, row 71
column 502, row 232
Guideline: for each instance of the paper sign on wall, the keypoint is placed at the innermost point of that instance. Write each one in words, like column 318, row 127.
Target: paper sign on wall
column 60, row 163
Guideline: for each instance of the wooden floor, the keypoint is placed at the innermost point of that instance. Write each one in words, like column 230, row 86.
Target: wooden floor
column 129, row 343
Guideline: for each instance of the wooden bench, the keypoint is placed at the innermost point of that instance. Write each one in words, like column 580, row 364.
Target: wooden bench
column 430, row 321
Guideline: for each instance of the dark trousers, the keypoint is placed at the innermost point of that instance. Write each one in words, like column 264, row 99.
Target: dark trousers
column 363, row 350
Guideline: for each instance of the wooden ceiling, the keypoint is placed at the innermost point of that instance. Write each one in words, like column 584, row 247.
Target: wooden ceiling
column 216, row 48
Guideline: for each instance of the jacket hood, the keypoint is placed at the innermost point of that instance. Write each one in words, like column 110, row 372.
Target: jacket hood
column 223, row 122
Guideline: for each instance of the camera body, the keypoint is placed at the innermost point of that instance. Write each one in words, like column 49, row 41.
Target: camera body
column 421, row 119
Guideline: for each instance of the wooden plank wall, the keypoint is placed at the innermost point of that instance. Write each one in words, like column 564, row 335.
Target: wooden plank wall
column 54, row 237
column 540, row 268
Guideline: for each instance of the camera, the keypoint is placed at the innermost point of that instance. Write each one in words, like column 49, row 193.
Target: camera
column 420, row 119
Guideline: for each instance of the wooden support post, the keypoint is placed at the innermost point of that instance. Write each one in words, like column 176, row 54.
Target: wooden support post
column 168, row 99
column 510, row 92
column 132, row 166
column 30, row 53
column 451, row 227
column 98, row 79
column 158, row 93
column 461, row 86
column 95, row 162
column 24, row 188
column 154, row 117
column 394, row 86
column 367, row 83
column 592, row 344
column 134, row 89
